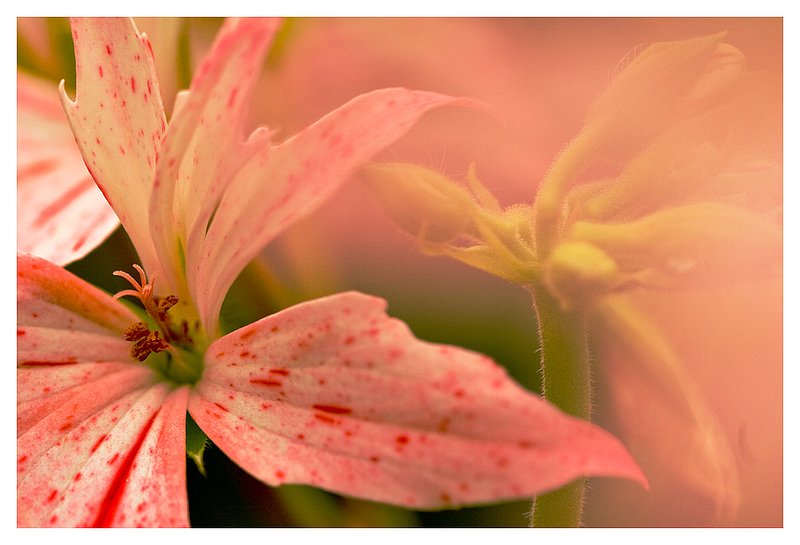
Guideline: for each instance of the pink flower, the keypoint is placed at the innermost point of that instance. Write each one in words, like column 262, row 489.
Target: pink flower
column 331, row 393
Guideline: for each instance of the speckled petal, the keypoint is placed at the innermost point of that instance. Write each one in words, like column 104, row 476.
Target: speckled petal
column 205, row 141
column 50, row 297
column 281, row 184
column 106, row 457
column 118, row 119
column 61, row 214
column 93, row 446
column 335, row 394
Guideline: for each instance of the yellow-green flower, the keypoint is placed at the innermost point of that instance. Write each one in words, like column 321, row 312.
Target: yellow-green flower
column 691, row 199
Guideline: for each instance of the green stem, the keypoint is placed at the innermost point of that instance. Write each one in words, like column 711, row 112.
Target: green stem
column 566, row 382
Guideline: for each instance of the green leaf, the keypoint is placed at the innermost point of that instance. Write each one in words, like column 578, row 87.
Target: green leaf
column 196, row 441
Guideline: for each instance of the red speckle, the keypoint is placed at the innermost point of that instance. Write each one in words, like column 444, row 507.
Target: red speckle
column 66, row 361
column 232, row 96
column 111, row 501
column 80, row 242
column 133, row 84
column 265, row 406
column 524, row 444
column 445, row 498
column 244, row 354
column 122, row 150
column 97, row 444
column 52, row 496
column 108, row 49
column 334, row 140
column 266, row 382
column 113, row 459
column 100, row 70
column 280, row 371
column 373, row 331
column 22, row 458
column 247, row 334
column 220, row 354
column 325, row 418
column 20, row 332
column 274, row 329
column 223, row 407
column 78, row 477
column 349, row 340
column 300, row 436
column 321, row 381
column 149, row 88
column 334, row 409
column 459, row 393
column 374, row 459
column 401, row 439
column 280, row 474
column 140, row 507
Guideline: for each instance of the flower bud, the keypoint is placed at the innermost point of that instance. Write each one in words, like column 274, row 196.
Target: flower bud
column 667, row 82
column 669, row 170
column 421, row 201
column 702, row 244
column 576, row 273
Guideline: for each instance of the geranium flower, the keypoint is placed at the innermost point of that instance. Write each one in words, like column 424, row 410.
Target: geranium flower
column 331, row 393
column 687, row 183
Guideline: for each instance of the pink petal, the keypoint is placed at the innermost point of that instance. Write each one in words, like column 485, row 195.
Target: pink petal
column 109, row 457
column 118, row 119
column 659, row 405
column 204, row 143
column 281, row 184
column 61, row 215
column 335, row 394
column 50, row 297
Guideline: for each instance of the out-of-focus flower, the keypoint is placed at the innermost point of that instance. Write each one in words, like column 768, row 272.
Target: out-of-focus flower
column 331, row 393
column 688, row 201
column 54, row 189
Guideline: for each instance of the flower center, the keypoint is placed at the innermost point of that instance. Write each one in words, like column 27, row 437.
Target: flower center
column 170, row 340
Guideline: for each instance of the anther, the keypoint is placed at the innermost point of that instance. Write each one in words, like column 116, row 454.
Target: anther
column 148, row 345
column 163, row 304
column 136, row 331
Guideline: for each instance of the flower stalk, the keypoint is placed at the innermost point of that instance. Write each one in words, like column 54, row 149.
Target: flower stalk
column 566, row 383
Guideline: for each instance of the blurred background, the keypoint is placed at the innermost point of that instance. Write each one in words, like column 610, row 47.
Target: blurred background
column 541, row 74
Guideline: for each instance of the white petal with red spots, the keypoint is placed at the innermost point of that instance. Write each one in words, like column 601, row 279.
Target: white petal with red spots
column 118, row 119
column 335, row 394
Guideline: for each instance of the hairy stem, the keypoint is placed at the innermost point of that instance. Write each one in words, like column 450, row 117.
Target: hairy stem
column 566, row 382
